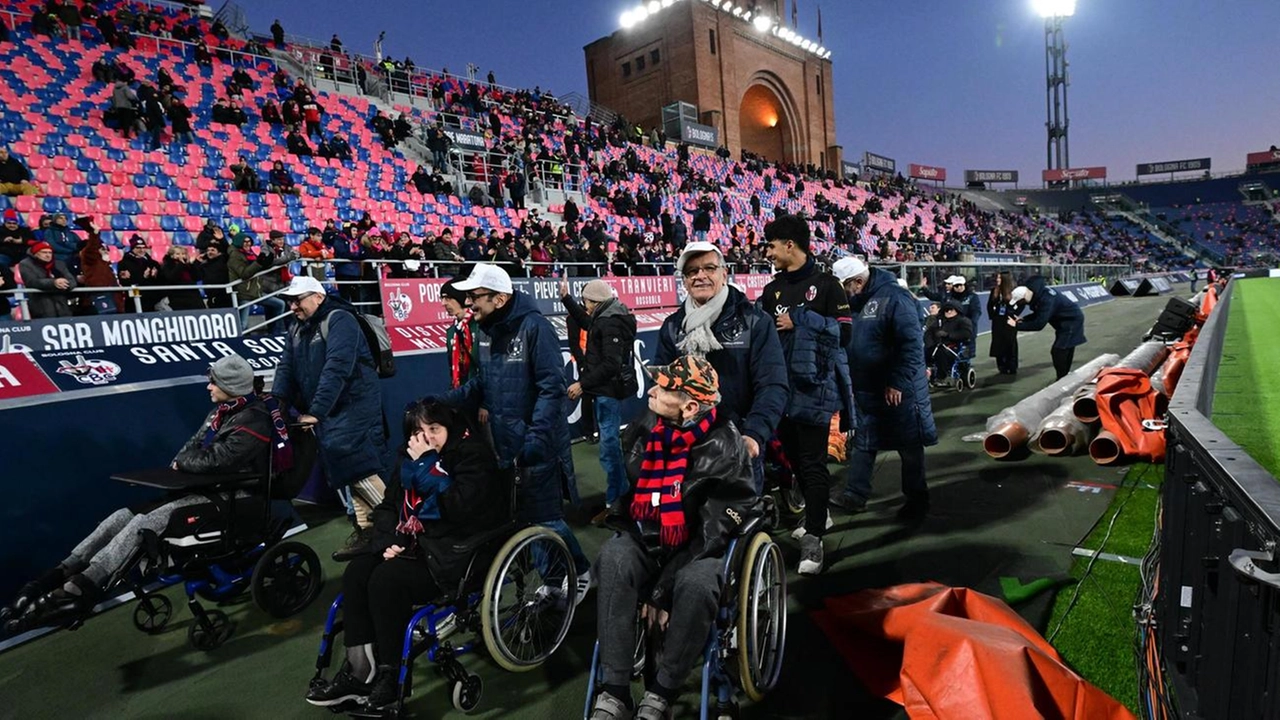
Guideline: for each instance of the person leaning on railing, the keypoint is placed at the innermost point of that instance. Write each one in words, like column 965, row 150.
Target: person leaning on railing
column 40, row 271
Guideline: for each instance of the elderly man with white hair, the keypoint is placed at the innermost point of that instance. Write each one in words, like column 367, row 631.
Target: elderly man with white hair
column 890, row 387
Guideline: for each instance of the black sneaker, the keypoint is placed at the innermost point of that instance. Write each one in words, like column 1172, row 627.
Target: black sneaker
column 848, row 503
column 344, row 687
column 357, row 544
column 385, row 688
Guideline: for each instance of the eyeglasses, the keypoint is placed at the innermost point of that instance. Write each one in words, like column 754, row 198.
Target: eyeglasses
column 291, row 302
column 474, row 296
column 692, row 272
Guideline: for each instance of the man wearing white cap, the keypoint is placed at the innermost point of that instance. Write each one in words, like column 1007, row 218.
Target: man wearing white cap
column 970, row 306
column 1050, row 307
column 890, row 388
column 328, row 373
column 521, row 391
column 719, row 323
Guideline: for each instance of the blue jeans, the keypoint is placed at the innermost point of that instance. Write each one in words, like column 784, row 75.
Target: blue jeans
column 580, row 562
column 609, row 421
column 273, row 307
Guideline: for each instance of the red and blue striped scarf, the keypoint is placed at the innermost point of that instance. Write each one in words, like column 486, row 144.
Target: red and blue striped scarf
column 662, row 470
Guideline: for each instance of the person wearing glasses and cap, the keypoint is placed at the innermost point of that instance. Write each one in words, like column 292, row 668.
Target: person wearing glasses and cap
column 890, row 387
column 520, row 394
column 718, row 322
column 328, row 374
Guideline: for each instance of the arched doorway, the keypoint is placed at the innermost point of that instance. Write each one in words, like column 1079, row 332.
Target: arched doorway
column 767, row 120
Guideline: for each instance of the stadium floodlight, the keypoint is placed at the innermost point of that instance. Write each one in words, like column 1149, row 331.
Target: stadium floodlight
column 628, row 20
column 737, row 11
column 763, row 23
column 715, row 4
column 654, row 6
column 1055, row 8
column 668, row 3
column 639, row 14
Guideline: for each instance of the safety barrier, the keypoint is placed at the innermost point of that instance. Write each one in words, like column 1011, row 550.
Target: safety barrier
column 1217, row 602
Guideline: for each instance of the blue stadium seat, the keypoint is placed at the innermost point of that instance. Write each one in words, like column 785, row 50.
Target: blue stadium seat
column 121, row 222
column 130, row 207
column 169, row 223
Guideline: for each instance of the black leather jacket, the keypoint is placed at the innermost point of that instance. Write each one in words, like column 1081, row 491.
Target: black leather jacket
column 242, row 444
column 719, row 496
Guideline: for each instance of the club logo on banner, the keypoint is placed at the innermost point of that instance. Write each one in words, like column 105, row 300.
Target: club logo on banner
column 927, row 172
column 1089, row 173
column 991, row 176
column 1173, row 166
column 90, row 371
column 400, row 305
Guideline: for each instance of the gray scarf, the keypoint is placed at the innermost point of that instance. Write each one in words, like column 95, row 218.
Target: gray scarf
column 699, row 339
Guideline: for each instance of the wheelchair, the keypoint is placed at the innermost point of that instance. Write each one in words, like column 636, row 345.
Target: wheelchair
column 744, row 650
column 958, row 364
column 218, row 550
column 516, row 598
column 783, row 499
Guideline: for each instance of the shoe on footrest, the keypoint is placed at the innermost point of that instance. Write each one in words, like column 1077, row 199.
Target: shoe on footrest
column 344, row 687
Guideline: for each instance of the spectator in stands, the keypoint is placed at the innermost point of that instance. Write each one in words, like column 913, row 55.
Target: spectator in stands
column 213, row 269
column 520, row 394
column 204, row 58
column 409, row 254
column 1004, row 339
column 244, row 177
column 890, row 387
column 811, row 313
column 180, row 117
column 296, row 143
column 221, row 113
column 328, row 374
column 382, row 125
column 280, row 180
column 40, row 271
column 277, row 34
column 516, row 188
column 243, row 266
column 95, row 271
column 139, row 269
column 311, row 112
column 15, row 178
column 1050, row 307
column 339, row 149
column 278, row 255
column 107, row 26
column 421, row 180
column 718, row 322
column 335, row 44
column 177, row 270
column 313, row 248
column 152, row 114
column 271, row 113
column 438, row 143
column 7, row 284
column 606, row 375
column 4, row 37
column 242, row 78
column 66, row 243
column 69, row 16
column 346, row 249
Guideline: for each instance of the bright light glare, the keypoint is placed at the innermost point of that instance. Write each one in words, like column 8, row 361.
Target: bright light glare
column 1055, row 8
column 654, row 7
column 763, row 23
column 737, row 11
column 627, row 21
column 667, row 3
column 640, row 13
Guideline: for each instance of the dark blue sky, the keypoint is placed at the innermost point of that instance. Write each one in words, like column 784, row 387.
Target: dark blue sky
column 955, row 83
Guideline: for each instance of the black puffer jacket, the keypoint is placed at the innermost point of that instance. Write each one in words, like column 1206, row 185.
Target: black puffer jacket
column 718, row 492
column 242, row 444
column 607, row 368
column 476, row 502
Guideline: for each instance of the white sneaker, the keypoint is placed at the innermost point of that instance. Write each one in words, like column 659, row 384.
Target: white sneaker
column 585, row 583
column 801, row 532
column 811, row 559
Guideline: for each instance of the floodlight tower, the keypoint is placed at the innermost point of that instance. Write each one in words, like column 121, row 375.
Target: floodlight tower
column 1058, row 149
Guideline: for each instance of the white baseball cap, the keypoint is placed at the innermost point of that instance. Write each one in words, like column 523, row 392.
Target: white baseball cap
column 956, row 280
column 847, row 267
column 489, row 277
column 1020, row 294
column 696, row 248
column 303, row 285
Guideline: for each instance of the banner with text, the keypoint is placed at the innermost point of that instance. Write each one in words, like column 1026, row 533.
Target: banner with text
column 927, row 172
column 1263, row 159
column 991, row 176
column 849, row 170
column 872, row 161
column 100, row 367
column 21, row 377
column 699, row 134
column 1089, row 173
column 114, row 330
column 1174, row 166
column 466, row 138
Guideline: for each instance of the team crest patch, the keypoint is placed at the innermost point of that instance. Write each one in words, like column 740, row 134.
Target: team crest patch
column 90, row 372
column 401, row 305
column 870, row 310
column 811, row 293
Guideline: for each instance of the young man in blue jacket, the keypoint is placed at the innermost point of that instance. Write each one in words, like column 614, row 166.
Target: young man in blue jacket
column 811, row 313
column 1050, row 307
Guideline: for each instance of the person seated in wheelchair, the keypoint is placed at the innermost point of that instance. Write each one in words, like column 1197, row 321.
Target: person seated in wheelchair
column 238, row 435
column 446, row 488
column 953, row 333
column 692, row 488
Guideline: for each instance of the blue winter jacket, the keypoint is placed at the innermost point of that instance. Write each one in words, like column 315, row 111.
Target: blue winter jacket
column 521, row 384
column 334, row 379
column 753, row 373
column 65, row 242
column 818, row 368
column 1049, row 307
column 887, row 350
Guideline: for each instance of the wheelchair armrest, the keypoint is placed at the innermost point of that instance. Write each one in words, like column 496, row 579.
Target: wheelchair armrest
column 750, row 527
column 476, row 542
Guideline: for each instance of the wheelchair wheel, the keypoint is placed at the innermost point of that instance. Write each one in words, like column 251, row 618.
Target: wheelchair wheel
column 528, row 599
column 971, row 378
column 762, row 616
column 286, row 579
column 959, row 384
column 466, row 693
column 792, row 498
column 152, row 613
column 211, row 637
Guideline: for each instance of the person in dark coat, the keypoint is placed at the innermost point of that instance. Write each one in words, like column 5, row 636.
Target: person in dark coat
column 1004, row 339
column 739, row 339
column 521, row 395
column 968, row 302
column 446, row 487
column 180, row 117
column 1050, row 307
column 668, row 556
column 15, row 238
column 139, row 269
column 952, row 331
column 212, row 270
column 177, row 270
column 328, row 374
column 40, row 271
column 606, row 374
column 890, row 387
column 7, row 283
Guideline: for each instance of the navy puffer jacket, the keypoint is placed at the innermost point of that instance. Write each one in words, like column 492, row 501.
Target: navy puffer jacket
column 1049, row 307
column 521, row 384
column 887, row 350
column 753, row 372
column 332, row 376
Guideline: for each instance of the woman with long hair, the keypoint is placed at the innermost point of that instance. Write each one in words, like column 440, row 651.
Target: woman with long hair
column 1004, row 339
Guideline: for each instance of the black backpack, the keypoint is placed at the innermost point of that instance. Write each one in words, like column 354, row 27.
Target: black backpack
column 375, row 335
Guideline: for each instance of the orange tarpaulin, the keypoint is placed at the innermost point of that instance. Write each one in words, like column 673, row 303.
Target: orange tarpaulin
column 1125, row 398
column 954, row 653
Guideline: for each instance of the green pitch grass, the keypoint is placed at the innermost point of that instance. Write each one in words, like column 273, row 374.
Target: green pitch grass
column 1246, row 401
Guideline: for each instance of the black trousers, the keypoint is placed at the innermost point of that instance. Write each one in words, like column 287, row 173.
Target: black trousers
column 378, row 600
column 1062, row 358
column 806, row 449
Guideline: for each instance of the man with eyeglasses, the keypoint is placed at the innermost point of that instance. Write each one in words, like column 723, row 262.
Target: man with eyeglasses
column 520, row 394
column 328, row 373
column 718, row 322
column 811, row 313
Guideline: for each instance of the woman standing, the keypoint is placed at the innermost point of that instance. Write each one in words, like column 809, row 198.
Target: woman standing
column 1004, row 339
